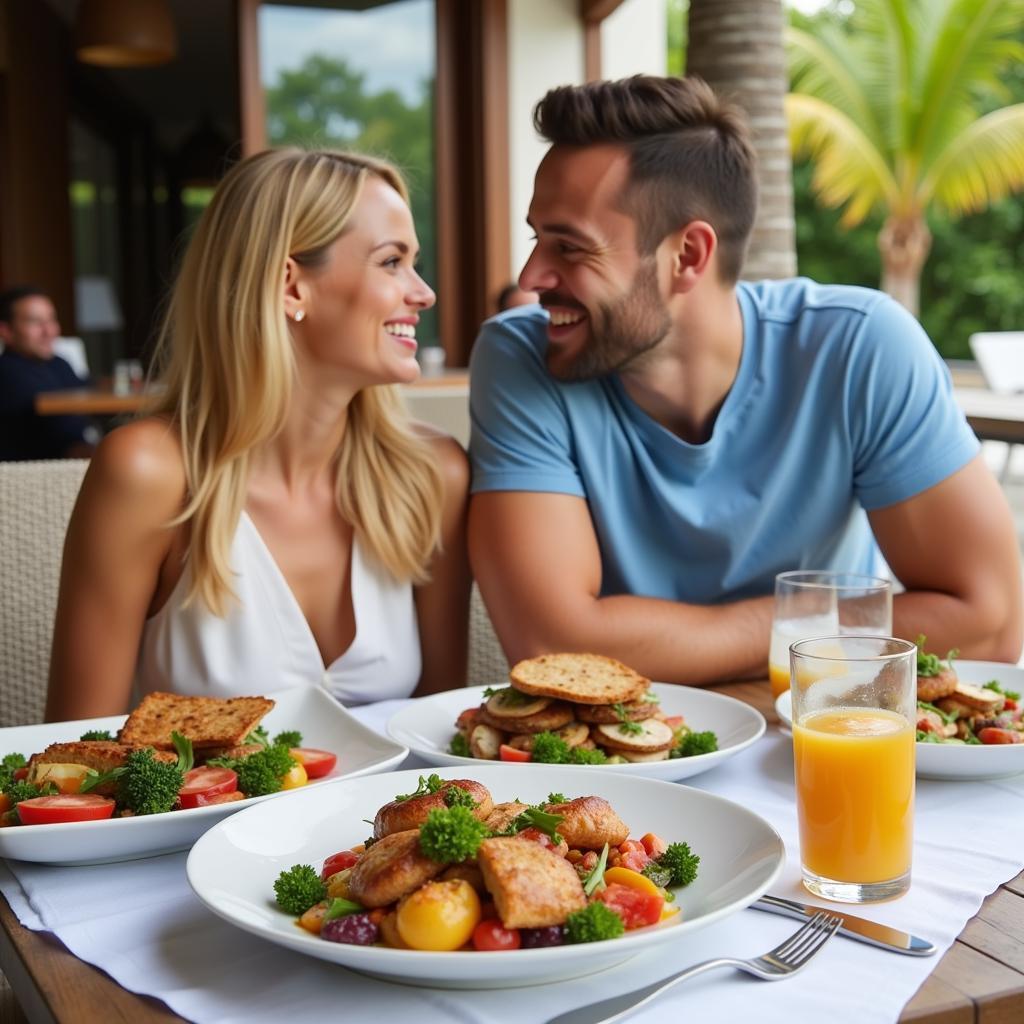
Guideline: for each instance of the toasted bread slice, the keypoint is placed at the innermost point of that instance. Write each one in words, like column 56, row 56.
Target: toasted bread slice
column 206, row 721
column 584, row 678
column 100, row 755
column 532, row 887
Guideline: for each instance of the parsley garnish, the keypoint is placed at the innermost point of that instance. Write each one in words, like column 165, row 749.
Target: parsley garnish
column 430, row 784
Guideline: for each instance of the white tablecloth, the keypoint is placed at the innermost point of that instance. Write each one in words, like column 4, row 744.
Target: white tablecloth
column 140, row 922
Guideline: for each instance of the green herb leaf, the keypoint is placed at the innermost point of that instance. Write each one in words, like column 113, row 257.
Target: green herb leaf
column 341, row 908
column 430, row 784
column 595, row 877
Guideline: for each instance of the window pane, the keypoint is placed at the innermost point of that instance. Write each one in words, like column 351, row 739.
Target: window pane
column 361, row 80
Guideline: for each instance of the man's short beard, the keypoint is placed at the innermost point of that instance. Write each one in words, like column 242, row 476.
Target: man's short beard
column 621, row 331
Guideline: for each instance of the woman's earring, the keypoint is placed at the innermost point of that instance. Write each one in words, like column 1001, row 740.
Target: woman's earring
column 300, row 315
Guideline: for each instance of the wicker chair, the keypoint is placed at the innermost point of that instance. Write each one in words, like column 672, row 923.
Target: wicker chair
column 36, row 499
column 487, row 662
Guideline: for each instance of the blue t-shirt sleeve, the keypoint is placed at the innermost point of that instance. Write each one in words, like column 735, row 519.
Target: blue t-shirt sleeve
column 521, row 439
column 908, row 433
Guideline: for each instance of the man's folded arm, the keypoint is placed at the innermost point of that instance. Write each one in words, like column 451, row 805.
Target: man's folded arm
column 536, row 559
column 954, row 548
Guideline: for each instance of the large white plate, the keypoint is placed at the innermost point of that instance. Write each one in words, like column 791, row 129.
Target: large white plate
column 232, row 868
column 955, row 761
column 323, row 722
column 426, row 726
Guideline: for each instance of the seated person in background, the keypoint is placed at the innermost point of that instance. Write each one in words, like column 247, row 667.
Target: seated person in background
column 278, row 522
column 28, row 366
column 512, row 295
column 656, row 440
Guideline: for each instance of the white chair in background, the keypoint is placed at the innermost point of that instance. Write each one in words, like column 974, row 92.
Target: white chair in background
column 1000, row 357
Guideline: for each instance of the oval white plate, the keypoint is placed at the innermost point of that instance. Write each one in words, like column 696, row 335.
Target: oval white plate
column 955, row 761
column 426, row 726
column 323, row 722
column 232, row 868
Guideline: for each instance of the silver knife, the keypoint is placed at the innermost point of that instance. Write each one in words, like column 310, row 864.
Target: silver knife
column 852, row 927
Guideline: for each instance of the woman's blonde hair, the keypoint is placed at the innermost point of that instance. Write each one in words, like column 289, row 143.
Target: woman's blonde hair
column 227, row 364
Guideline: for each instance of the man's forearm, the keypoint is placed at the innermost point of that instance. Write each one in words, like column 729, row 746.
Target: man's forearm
column 665, row 640
column 982, row 630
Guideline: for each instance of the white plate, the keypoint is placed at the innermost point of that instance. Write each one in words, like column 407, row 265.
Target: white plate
column 426, row 726
column 232, row 868
column 955, row 761
column 323, row 722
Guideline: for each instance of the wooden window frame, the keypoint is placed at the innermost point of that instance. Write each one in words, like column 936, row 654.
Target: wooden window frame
column 471, row 156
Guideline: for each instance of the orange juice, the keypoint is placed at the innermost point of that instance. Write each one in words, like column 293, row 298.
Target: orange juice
column 778, row 678
column 855, row 793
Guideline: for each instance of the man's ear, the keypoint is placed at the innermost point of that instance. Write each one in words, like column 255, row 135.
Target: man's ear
column 6, row 334
column 692, row 251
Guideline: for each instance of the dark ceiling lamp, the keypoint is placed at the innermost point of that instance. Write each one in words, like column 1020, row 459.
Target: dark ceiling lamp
column 125, row 33
column 203, row 156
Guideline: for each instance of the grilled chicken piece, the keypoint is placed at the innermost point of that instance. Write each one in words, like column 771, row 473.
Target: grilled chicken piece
column 401, row 815
column 532, row 887
column 390, row 869
column 589, row 822
column 553, row 716
column 502, row 814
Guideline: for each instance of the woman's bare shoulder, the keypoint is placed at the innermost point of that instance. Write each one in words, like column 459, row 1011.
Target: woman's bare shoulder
column 451, row 457
column 142, row 461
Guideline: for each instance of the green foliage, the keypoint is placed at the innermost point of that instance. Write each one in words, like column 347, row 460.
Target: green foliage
column 8, row 766
column 288, row 738
column 593, row 923
column 595, row 877
column 451, row 835
column 324, row 102
column 456, row 796
column 581, row 755
column 148, row 786
column 534, row 817
column 680, row 864
column 694, row 743
column 97, row 734
column 22, row 790
column 550, row 749
column 428, row 784
column 459, row 746
column 971, row 280
column 258, row 735
column 298, row 889
column 260, row 773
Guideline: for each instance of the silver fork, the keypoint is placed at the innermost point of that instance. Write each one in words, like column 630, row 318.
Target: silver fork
column 784, row 960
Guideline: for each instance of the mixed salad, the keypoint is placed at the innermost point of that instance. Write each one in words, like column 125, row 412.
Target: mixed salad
column 952, row 711
column 145, row 780
column 448, row 869
column 512, row 726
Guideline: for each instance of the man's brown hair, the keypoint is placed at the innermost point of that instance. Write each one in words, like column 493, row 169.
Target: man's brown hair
column 691, row 157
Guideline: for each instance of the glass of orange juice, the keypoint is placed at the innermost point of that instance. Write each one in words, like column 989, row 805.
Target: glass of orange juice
column 812, row 603
column 854, row 703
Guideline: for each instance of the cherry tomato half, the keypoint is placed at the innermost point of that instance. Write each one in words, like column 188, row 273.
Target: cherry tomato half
column 992, row 734
column 202, row 784
column 49, row 810
column 490, row 935
column 338, row 862
column 316, row 762
column 634, row 907
column 507, row 753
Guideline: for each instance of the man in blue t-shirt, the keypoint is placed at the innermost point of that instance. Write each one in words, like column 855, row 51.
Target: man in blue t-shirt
column 655, row 441
column 28, row 366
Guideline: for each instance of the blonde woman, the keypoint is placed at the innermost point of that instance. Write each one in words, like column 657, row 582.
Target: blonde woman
column 277, row 521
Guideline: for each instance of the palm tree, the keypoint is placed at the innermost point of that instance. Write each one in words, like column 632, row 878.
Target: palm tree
column 736, row 47
column 889, row 108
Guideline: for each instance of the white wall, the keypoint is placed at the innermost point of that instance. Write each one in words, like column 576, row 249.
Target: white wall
column 545, row 49
column 633, row 39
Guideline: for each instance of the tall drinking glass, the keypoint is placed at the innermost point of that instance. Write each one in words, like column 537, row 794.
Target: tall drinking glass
column 823, row 603
column 854, row 703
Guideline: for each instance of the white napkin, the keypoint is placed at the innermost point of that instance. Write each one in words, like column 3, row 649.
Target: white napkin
column 140, row 922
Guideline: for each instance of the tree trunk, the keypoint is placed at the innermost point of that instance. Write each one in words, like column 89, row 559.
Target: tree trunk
column 736, row 47
column 904, row 243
